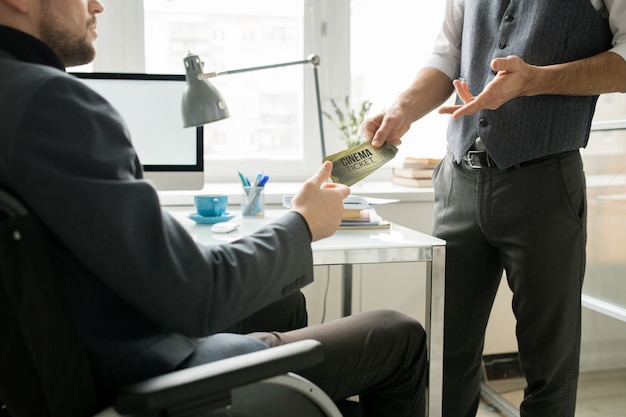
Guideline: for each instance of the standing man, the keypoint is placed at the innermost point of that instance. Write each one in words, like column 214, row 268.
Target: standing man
column 144, row 297
column 510, row 194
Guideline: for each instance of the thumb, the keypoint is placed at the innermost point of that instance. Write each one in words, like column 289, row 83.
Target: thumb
column 507, row 64
column 497, row 64
column 322, row 174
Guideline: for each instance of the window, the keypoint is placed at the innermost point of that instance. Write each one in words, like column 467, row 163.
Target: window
column 605, row 168
column 266, row 129
column 367, row 52
column 388, row 46
column 273, row 125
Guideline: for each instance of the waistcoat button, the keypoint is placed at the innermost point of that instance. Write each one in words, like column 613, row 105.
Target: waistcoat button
column 508, row 18
column 501, row 45
column 483, row 123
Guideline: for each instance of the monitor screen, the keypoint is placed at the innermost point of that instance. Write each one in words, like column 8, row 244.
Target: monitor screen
column 172, row 156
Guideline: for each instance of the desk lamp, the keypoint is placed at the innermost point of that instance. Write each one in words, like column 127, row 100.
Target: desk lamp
column 203, row 103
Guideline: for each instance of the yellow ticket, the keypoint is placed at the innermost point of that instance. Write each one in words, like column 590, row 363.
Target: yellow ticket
column 352, row 165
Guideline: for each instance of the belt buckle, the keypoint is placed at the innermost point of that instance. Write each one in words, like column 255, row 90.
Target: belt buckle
column 470, row 159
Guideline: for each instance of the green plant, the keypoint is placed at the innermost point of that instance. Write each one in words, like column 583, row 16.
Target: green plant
column 348, row 120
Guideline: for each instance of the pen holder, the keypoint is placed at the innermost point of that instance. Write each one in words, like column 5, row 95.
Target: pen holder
column 253, row 202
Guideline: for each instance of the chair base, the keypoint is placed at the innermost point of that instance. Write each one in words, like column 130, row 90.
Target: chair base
column 280, row 396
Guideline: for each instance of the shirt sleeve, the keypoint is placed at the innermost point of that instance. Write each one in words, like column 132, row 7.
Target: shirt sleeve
column 617, row 20
column 446, row 55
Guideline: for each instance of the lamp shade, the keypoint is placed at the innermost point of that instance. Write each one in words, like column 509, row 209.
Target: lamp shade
column 202, row 102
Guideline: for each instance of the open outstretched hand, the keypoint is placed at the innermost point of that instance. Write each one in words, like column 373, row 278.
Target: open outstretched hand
column 509, row 83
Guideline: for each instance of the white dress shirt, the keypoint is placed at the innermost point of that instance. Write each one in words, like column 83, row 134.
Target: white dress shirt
column 447, row 54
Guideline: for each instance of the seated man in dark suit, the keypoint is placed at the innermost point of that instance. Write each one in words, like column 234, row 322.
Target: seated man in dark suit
column 145, row 297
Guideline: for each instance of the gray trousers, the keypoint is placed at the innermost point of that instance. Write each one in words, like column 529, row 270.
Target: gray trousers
column 530, row 222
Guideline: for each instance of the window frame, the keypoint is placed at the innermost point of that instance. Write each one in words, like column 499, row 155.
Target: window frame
column 326, row 33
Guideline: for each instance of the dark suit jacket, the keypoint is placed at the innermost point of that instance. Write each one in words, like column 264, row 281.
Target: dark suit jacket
column 140, row 288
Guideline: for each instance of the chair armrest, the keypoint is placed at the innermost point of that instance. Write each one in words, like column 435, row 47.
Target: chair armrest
column 210, row 384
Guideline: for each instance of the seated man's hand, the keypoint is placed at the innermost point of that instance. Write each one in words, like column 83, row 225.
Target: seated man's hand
column 321, row 203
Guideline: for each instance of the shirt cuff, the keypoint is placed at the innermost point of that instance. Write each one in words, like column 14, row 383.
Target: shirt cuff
column 619, row 50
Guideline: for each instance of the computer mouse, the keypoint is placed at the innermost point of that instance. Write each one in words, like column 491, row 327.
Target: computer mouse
column 224, row 227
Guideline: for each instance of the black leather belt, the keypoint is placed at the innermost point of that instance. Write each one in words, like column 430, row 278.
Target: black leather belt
column 481, row 159
column 478, row 159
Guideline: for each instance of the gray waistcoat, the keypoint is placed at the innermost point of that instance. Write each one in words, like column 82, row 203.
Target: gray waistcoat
column 541, row 32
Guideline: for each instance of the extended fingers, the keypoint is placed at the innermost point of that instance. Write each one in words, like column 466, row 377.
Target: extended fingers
column 448, row 109
column 462, row 90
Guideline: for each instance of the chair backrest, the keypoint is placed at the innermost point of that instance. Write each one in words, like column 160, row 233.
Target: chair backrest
column 44, row 370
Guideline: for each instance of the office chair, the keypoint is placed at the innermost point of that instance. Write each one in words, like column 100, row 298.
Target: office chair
column 44, row 370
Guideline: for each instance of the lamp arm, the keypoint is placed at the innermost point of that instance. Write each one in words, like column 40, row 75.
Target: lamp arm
column 319, row 109
column 312, row 59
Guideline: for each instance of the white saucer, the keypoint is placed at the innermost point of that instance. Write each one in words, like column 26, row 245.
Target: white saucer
column 211, row 220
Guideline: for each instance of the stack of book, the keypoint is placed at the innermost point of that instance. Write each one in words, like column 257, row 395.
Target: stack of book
column 350, row 203
column 362, row 219
column 359, row 213
column 415, row 172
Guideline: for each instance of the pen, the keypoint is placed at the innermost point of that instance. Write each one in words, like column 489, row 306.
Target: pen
column 259, row 177
column 244, row 180
column 263, row 181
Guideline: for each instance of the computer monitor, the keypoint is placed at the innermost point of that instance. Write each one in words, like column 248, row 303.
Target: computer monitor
column 172, row 156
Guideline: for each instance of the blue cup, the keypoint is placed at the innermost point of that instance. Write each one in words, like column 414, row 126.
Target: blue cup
column 211, row 205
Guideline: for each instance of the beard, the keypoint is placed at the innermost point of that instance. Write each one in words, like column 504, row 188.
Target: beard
column 72, row 49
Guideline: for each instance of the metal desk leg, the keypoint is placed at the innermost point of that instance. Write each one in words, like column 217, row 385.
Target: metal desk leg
column 347, row 290
column 435, row 292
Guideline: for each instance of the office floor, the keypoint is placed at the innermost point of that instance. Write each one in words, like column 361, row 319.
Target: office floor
column 485, row 411
column 599, row 394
